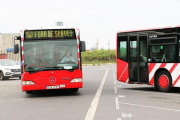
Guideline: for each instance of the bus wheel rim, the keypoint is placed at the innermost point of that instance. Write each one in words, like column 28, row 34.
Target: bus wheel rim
column 163, row 81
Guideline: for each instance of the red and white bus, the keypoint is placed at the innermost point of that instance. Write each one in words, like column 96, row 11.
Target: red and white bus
column 149, row 56
column 51, row 59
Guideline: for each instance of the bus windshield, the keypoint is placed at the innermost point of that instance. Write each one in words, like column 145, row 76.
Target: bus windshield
column 50, row 55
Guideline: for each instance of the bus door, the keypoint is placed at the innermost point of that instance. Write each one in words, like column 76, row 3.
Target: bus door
column 143, row 59
column 138, row 66
column 133, row 77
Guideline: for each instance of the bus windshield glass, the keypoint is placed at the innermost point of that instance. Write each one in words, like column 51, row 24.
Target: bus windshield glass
column 50, row 55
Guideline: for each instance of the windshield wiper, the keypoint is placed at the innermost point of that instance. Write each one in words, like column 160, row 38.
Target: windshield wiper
column 71, row 70
column 33, row 70
column 57, row 68
column 52, row 68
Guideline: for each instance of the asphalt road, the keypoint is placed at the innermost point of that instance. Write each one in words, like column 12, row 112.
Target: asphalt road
column 101, row 98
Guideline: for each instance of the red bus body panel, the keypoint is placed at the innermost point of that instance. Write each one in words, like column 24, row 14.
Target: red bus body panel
column 122, row 71
column 42, row 79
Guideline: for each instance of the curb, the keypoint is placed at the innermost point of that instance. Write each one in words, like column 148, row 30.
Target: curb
column 97, row 64
column 91, row 64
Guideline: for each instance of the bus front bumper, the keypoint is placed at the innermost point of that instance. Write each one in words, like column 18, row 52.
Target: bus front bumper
column 54, row 86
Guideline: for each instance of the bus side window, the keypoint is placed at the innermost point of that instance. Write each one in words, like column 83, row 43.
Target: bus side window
column 163, row 53
column 122, row 50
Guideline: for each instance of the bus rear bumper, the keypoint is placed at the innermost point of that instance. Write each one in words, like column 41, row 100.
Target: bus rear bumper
column 54, row 86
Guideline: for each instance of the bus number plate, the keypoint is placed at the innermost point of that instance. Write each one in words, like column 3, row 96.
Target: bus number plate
column 52, row 87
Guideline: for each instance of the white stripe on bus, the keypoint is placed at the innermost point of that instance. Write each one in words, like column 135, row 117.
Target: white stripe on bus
column 127, row 80
column 123, row 72
column 154, row 70
column 169, row 66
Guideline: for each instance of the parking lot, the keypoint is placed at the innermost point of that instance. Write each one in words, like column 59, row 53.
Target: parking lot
column 101, row 98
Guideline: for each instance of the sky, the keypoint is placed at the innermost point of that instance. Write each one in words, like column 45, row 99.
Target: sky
column 96, row 19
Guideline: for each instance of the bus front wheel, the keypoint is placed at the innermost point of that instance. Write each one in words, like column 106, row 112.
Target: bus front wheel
column 163, row 81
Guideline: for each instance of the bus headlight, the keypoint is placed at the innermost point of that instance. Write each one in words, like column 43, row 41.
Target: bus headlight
column 76, row 80
column 28, row 83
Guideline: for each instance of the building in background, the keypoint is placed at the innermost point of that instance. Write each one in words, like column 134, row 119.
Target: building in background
column 6, row 46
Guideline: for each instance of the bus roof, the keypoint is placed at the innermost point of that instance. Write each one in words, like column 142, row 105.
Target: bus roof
column 153, row 29
column 50, row 27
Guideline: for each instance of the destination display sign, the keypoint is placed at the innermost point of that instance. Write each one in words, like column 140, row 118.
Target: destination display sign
column 49, row 34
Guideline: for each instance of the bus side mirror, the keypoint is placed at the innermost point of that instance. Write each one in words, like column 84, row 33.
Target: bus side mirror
column 17, row 38
column 82, row 46
column 16, row 48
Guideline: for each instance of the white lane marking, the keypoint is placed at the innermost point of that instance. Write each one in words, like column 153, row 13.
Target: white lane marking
column 121, row 95
column 117, row 102
column 119, row 86
column 152, row 93
column 114, row 82
column 118, row 118
column 92, row 109
column 149, row 106
column 125, row 115
column 115, row 90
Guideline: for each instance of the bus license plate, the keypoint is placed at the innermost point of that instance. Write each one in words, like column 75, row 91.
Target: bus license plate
column 52, row 87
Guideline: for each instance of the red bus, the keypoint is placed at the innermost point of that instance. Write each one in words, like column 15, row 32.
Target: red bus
column 149, row 56
column 51, row 59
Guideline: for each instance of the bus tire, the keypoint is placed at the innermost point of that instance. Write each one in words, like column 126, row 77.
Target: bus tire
column 29, row 92
column 74, row 89
column 163, row 81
